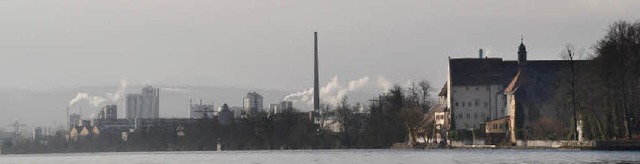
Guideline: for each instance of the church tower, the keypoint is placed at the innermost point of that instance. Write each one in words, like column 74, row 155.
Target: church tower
column 522, row 53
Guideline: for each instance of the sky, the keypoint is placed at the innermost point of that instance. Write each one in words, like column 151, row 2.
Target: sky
column 269, row 44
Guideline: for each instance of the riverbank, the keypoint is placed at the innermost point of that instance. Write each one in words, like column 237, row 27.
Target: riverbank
column 531, row 144
column 540, row 144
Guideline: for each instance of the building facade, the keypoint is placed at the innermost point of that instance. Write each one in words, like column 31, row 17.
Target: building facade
column 252, row 103
column 480, row 90
column 225, row 115
column 198, row 111
column 108, row 112
column 143, row 105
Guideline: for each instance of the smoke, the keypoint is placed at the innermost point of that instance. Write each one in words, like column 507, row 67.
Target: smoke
column 97, row 101
column 333, row 91
column 174, row 89
column 93, row 100
column 384, row 83
column 118, row 94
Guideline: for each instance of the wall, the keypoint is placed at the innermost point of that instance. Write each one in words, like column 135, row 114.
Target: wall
column 476, row 104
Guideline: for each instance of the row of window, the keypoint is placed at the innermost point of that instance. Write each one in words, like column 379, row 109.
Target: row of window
column 499, row 126
column 475, row 115
column 478, row 88
column 486, row 104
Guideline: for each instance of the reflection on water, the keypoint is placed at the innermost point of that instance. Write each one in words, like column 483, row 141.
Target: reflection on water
column 339, row 156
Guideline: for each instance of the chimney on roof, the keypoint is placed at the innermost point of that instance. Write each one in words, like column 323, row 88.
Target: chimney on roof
column 481, row 54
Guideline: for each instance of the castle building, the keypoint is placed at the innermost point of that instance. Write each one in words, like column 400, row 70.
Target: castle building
column 482, row 91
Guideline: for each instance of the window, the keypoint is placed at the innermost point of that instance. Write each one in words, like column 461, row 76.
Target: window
column 468, row 116
column 456, row 103
column 477, row 102
column 469, row 103
column 495, row 126
column 460, row 115
column 463, row 104
column 482, row 115
column 475, row 115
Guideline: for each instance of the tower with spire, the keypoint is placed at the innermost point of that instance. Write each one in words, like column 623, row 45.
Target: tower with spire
column 522, row 53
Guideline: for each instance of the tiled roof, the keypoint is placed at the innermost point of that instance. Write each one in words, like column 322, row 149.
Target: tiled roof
column 473, row 71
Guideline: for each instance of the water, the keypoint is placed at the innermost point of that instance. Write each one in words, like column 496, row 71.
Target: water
column 338, row 156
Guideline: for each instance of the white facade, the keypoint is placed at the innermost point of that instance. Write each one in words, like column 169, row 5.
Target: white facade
column 476, row 104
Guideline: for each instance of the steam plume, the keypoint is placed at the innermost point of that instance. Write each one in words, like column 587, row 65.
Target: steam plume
column 97, row 101
column 333, row 90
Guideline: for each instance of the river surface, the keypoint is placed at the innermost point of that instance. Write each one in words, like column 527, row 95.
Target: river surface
column 337, row 157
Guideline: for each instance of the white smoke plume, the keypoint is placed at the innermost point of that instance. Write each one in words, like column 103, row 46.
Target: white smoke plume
column 118, row 94
column 333, row 90
column 93, row 100
column 97, row 101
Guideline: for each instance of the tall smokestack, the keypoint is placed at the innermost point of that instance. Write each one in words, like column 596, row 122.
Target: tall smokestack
column 316, row 87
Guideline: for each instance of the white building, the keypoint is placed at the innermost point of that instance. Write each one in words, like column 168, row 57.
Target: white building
column 144, row 105
column 475, row 90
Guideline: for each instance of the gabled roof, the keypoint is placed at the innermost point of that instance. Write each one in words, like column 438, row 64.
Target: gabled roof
column 513, row 85
column 443, row 91
column 439, row 107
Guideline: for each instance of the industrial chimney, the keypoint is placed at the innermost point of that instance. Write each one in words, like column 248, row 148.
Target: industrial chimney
column 481, row 54
column 316, row 87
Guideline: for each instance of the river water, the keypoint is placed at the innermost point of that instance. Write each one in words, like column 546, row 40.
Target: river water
column 338, row 156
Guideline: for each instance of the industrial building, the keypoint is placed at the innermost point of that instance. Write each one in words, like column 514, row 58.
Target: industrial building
column 201, row 110
column 143, row 105
column 252, row 103
column 108, row 112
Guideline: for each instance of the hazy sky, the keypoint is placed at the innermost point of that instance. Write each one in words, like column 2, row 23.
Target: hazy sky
column 269, row 44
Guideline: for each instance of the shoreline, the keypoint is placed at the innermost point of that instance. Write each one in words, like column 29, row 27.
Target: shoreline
column 552, row 145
